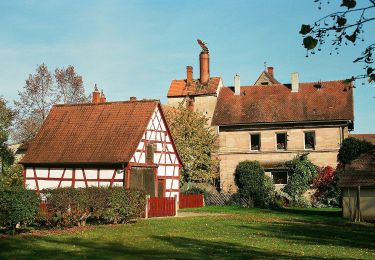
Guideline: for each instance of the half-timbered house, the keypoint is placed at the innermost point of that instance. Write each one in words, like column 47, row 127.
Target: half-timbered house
column 104, row 144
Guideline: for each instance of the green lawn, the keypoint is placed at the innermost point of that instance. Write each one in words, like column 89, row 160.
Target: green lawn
column 241, row 233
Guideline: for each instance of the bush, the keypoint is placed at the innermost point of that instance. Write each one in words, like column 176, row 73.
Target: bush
column 18, row 206
column 70, row 206
column 351, row 148
column 328, row 192
column 301, row 172
column 253, row 185
column 300, row 202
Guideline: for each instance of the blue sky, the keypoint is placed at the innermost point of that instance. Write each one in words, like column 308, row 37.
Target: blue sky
column 135, row 48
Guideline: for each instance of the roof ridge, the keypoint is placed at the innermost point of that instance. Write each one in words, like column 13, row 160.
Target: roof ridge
column 287, row 84
column 107, row 103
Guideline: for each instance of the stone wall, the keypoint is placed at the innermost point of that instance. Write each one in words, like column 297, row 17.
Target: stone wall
column 203, row 104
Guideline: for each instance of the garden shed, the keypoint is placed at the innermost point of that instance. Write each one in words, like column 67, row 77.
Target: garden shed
column 358, row 186
column 104, row 144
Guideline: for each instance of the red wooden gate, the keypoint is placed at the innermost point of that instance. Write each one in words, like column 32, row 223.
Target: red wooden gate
column 161, row 207
column 191, row 201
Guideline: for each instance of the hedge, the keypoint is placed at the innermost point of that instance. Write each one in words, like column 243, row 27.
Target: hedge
column 18, row 206
column 74, row 206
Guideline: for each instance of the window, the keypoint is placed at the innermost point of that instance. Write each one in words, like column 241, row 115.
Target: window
column 281, row 141
column 310, row 140
column 280, row 177
column 255, row 142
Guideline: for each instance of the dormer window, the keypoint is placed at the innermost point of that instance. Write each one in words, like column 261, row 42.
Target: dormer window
column 264, row 83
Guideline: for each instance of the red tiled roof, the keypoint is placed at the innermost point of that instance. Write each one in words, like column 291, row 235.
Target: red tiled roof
column 271, row 79
column 276, row 103
column 366, row 137
column 179, row 88
column 360, row 172
column 104, row 133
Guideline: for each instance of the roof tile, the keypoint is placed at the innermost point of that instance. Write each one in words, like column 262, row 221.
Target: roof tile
column 91, row 133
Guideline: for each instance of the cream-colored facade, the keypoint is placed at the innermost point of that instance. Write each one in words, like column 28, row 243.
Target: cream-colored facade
column 235, row 147
column 204, row 104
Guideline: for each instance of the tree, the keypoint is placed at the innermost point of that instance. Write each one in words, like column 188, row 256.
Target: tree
column 196, row 144
column 6, row 117
column 301, row 172
column 343, row 27
column 70, row 85
column 40, row 93
column 36, row 100
column 351, row 148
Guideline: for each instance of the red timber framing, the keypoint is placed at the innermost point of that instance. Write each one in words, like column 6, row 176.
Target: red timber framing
column 165, row 162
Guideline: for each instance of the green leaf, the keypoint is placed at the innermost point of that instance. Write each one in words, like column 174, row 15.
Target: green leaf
column 369, row 70
column 305, row 29
column 341, row 21
column 352, row 37
column 309, row 42
column 349, row 3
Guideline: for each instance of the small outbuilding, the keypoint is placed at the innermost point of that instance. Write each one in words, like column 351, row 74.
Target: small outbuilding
column 358, row 186
column 105, row 144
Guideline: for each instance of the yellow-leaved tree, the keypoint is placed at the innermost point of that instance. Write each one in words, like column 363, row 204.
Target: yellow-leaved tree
column 196, row 143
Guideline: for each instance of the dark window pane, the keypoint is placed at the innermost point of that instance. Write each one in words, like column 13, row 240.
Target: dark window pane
column 309, row 140
column 281, row 141
column 255, row 142
column 279, row 177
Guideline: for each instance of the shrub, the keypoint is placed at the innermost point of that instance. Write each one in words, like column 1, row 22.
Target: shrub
column 300, row 202
column 70, row 206
column 351, row 148
column 253, row 185
column 301, row 172
column 328, row 192
column 123, row 205
column 18, row 206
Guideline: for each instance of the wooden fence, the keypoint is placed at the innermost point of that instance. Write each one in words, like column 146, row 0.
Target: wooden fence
column 160, row 207
column 191, row 201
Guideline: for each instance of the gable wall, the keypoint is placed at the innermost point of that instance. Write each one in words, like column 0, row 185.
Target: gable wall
column 165, row 156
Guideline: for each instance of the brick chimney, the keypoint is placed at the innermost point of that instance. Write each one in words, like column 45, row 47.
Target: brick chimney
column 204, row 62
column 189, row 74
column 96, row 95
column 295, row 82
column 133, row 99
column 103, row 99
column 270, row 71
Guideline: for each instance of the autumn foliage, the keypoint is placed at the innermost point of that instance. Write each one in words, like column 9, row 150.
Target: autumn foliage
column 196, row 143
column 327, row 192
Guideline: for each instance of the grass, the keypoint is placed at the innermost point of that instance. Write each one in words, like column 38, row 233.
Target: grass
column 240, row 233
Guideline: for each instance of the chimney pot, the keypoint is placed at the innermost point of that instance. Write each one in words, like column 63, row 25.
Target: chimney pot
column 103, row 99
column 237, row 84
column 270, row 71
column 204, row 62
column 96, row 95
column 133, row 99
column 295, row 82
column 189, row 74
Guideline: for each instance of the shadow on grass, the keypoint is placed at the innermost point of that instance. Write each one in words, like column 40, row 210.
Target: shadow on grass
column 169, row 247
column 312, row 233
